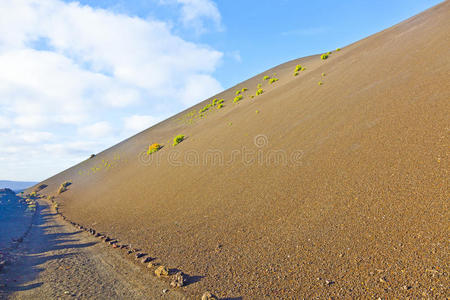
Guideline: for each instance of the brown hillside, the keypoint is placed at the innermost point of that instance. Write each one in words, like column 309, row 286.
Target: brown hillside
column 360, row 208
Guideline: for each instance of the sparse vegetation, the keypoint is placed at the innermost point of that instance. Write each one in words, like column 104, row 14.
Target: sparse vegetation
column 244, row 89
column 153, row 148
column 320, row 83
column 214, row 102
column 63, row 187
column 220, row 106
column 338, row 49
column 238, row 92
column 298, row 68
column 259, row 92
column 259, row 86
column 272, row 80
column 178, row 139
column 237, row 98
column 324, row 56
column 323, row 74
column 296, row 73
column 220, row 101
column 266, row 77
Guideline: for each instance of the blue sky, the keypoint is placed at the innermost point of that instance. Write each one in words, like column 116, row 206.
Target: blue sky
column 78, row 77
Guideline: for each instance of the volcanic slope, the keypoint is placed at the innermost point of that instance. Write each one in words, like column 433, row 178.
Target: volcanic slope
column 330, row 183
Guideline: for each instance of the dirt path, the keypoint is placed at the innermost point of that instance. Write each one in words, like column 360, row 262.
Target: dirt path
column 57, row 261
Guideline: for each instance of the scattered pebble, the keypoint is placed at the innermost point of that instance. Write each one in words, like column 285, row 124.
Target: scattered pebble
column 329, row 282
column 165, row 291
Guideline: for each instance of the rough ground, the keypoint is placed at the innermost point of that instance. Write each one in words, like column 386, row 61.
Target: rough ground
column 55, row 261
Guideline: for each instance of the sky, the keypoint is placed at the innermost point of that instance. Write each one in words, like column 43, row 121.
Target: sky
column 77, row 77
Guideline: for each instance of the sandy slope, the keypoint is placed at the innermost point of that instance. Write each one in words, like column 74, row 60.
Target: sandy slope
column 57, row 262
column 360, row 208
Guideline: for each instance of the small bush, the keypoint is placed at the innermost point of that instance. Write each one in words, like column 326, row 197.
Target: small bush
column 329, row 52
column 252, row 96
column 324, row 56
column 214, row 102
column 178, row 139
column 266, row 77
column 338, row 49
column 220, row 106
column 296, row 73
column 323, row 74
column 257, row 111
column 237, row 98
column 303, row 69
column 259, row 92
column 220, row 101
column 63, row 187
column 320, row 83
column 259, row 86
column 244, row 89
column 238, row 92
column 298, row 68
column 272, row 80
column 153, row 148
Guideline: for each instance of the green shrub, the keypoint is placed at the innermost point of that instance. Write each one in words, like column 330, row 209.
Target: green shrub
column 244, row 89
column 238, row 92
column 298, row 68
column 153, row 148
column 220, row 106
column 178, row 139
column 329, row 52
column 257, row 111
column 320, row 83
column 237, row 98
column 323, row 74
column 220, row 101
column 259, row 92
column 338, row 49
column 266, row 77
column 259, row 86
column 295, row 73
column 303, row 69
column 324, row 56
column 272, row 80
column 214, row 102
column 252, row 96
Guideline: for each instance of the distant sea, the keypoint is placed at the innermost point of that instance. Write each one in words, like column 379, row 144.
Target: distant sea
column 16, row 186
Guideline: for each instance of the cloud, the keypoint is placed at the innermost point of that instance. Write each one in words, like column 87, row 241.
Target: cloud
column 198, row 14
column 138, row 123
column 96, row 130
column 72, row 71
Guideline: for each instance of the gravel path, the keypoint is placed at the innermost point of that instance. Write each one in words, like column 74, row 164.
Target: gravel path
column 57, row 261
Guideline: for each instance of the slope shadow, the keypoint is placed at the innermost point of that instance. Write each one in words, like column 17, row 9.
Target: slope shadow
column 26, row 261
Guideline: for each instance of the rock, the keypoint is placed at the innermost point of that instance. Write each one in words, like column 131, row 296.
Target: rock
column 178, row 280
column 209, row 296
column 165, row 291
column 146, row 260
column 115, row 246
column 152, row 264
column 329, row 282
column 162, row 271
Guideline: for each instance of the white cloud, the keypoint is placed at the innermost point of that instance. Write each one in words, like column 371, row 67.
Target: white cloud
column 138, row 123
column 196, row 14
column 96, row 130
column 71, row 70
